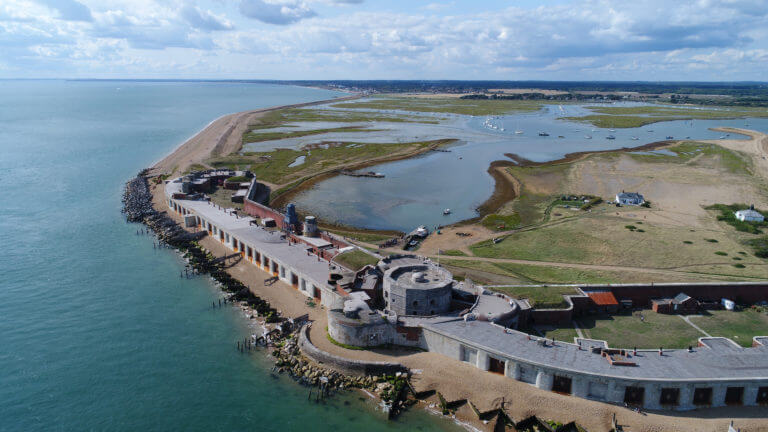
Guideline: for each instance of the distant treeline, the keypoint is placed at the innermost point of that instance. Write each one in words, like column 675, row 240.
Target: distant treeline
column 734, row 89
column 539, row 96
column 755, row 101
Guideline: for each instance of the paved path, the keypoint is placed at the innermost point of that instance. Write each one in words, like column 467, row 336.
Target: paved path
column 578, row 329
column 687, row 319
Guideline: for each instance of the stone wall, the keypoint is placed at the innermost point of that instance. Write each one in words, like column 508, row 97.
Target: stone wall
column 349, row 332
column 348, row 366
column 641, row 295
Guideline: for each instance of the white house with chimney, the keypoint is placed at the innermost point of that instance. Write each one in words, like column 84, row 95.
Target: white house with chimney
column 629, row 198
column 749, row 215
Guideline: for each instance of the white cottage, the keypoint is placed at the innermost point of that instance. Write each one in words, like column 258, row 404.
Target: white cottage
column 749, row 215
column 629, row 198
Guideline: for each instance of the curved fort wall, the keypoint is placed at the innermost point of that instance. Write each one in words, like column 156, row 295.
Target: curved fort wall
column 717, row 372
column 358, row 367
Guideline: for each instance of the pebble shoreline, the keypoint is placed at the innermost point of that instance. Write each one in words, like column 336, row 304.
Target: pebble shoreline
column 282, row 338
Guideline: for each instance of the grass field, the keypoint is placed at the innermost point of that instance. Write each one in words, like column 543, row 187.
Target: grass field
column 363, row 236
column 278, row 118
column 740, row 326
column 564, row 334
column 604, row 239
column 274, row 166
column 539, row 274
column 497, row 222
column 628, row 331
column 709, row 155
column 628, row 117
column 537, row 191
column 476, row 107
column 355, row 260
column 253, row 136
column 541, row 297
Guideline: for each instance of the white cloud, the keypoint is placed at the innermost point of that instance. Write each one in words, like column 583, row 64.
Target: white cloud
column 69, row 10
column 204, row 20
column 586, row 39
column 276, row 12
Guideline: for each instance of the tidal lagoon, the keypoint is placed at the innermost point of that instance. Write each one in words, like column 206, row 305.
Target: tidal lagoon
column 416, row 191
column 97, row 329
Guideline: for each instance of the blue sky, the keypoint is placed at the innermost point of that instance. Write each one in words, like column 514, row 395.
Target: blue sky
column 705, row 40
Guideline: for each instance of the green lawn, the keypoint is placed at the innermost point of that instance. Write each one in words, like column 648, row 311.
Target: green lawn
column 540, row 297
column 363, row 236
column 355, row 260
column 740, row 326
column 565, row 334
column 477, row 107
column 603, row 239
column 453, row 252
column 628, row 331
column 497, row 222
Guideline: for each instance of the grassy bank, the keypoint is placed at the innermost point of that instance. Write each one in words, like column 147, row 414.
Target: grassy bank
column 274, row 166
column 355, row 260
column 630, row 117
column 283, row 117
column 540, row 297
column 254, row 136
column 541, row 274
column 476, row 107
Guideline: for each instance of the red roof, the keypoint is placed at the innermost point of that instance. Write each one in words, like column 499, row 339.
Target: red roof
column 603, row 298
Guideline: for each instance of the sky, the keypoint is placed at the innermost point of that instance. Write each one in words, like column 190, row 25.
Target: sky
column 646, row 40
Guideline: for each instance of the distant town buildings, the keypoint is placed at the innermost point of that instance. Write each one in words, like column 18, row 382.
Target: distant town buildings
column 629, row 198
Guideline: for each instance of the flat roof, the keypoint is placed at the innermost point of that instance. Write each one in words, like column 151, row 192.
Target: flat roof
column 717, row 360
column 266, row 241
column 316, row 242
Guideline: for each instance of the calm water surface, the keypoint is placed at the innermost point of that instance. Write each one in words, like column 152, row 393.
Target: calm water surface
column 97, row 331
column 416, row 191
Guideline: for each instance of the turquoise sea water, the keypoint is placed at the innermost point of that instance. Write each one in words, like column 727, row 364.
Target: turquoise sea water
column 97, row 330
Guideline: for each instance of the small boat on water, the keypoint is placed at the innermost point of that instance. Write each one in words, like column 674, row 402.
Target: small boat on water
column 519, row 132
column 650, row 130
column 610, row 137
column 611, row 130
column 634, row 138
column 687, row 137
column 447, row 211
column 543, row 134
column 560, row 136
column 722, row 137
column 588, row 136
column 670, row 137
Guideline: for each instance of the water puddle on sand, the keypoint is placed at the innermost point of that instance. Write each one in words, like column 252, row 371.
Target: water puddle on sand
column 298, row 161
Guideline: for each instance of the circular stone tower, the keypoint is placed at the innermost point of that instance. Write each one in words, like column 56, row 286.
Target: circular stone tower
column 413, row 286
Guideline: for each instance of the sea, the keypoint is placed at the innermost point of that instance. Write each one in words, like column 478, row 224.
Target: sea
column 98, row 331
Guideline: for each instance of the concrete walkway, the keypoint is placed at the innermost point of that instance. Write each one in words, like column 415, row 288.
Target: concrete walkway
column 578, row 329
column 687, row 319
